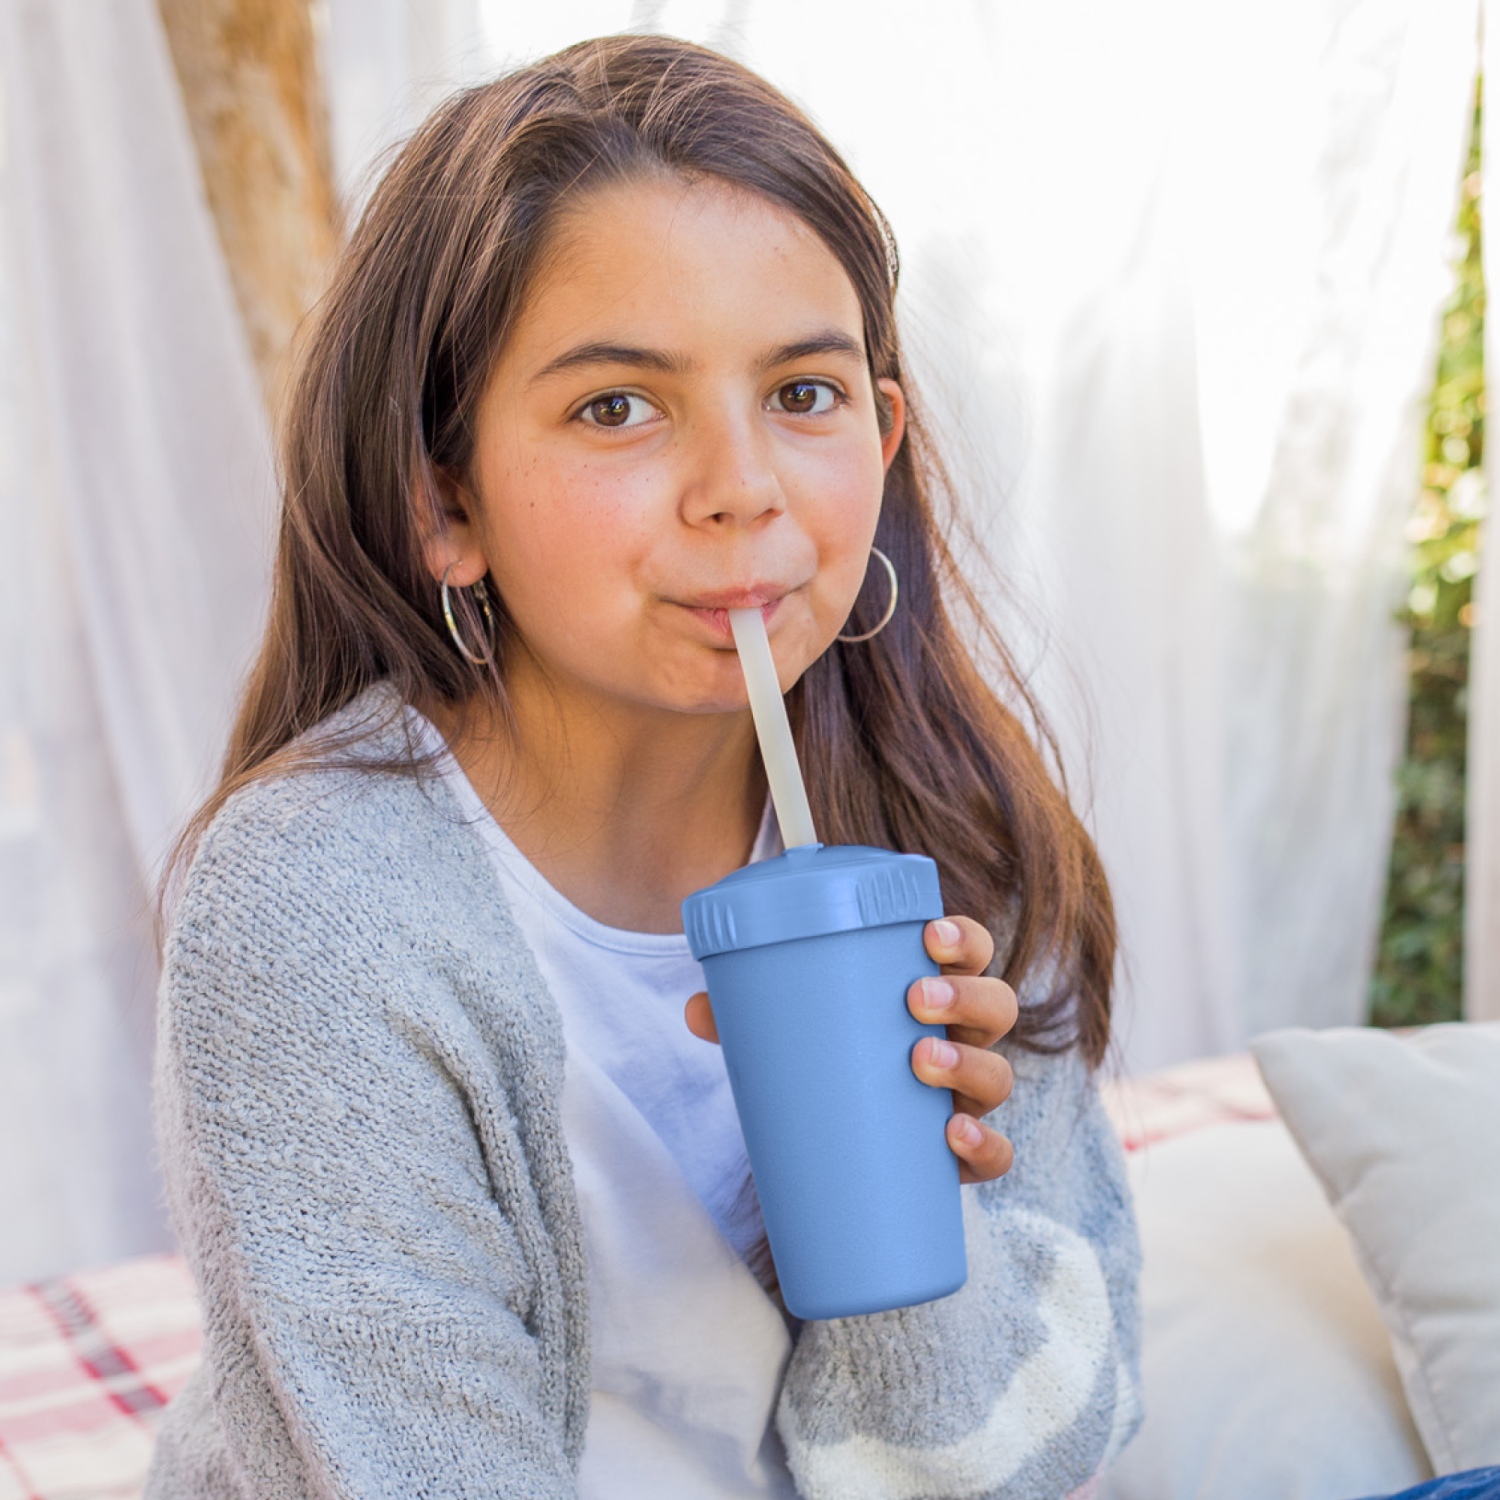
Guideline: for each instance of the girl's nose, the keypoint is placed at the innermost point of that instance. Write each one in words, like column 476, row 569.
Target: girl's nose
column 730, row 478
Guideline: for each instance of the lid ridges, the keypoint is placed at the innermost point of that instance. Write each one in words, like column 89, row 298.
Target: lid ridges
column 806, row 892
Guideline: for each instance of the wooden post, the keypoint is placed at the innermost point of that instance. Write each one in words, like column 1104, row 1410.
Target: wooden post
column 249, row 76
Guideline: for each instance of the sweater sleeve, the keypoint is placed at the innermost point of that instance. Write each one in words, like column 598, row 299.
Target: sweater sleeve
column 380, row 1282
column 1023, row 1384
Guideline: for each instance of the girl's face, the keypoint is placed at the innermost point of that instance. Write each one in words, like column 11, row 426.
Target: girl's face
column 682, row 421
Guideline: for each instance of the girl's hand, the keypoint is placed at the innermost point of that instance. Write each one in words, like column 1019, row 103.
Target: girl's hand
column 979, row 1013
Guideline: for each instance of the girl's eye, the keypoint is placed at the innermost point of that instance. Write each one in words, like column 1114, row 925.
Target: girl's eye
column 617, row 409
column 806, row 398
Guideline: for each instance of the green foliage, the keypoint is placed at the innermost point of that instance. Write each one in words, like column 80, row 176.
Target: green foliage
column 1419, row 970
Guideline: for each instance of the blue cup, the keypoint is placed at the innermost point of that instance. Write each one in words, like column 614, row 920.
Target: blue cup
column 808, row 958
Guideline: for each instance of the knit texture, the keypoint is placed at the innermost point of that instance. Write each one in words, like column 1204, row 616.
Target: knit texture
column 358, row 1084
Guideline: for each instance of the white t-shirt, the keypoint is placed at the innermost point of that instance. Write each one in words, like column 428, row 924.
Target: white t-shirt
column 688, row 1346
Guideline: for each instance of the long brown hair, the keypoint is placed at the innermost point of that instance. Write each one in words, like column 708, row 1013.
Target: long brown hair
column 904, row 743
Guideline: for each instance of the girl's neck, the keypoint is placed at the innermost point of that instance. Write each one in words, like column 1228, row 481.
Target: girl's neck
column 624, row 810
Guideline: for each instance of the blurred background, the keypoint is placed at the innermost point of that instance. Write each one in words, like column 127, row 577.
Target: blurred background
column 1193, row 292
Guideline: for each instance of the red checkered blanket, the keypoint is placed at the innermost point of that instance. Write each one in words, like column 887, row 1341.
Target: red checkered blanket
column 89, row 1361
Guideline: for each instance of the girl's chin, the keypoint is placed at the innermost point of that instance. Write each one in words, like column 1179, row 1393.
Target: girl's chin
column 720, row 690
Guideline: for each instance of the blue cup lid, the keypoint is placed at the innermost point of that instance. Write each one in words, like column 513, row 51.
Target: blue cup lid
column 807, row 892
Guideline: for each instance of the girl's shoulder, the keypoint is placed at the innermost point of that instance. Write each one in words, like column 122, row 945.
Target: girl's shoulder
column 353, row 834
column 345, row 902
column 353, row 777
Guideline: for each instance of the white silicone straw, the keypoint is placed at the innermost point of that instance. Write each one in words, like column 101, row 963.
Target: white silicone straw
column 772, row 728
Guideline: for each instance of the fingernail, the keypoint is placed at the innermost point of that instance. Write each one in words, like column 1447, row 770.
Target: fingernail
column 966, row 1130
column 948, row 934
column 942, row 1054
column 937, row 994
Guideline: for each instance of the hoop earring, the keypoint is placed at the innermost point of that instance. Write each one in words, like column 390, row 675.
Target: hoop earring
column 890, row 608
column 482, row 598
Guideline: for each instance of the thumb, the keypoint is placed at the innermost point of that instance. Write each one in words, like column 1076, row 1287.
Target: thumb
column 700, row 1017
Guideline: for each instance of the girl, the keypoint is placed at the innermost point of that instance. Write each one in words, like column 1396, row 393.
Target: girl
column 449, row 1148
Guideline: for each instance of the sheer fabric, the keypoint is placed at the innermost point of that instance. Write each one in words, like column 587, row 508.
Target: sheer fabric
column 136, row 505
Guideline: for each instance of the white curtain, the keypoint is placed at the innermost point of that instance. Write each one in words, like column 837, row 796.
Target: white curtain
column 1314, row 672
column 135, row 503
column 1482, row 871
column 385, row 65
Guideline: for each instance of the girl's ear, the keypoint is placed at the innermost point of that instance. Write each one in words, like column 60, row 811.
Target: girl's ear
column 893, row 423
column 448, row 535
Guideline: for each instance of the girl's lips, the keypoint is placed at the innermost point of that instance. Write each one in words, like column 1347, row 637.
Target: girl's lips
column 717, row 620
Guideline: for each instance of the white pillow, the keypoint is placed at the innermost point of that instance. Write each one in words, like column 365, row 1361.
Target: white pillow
column 1404, row 1133
column 1267, row 1371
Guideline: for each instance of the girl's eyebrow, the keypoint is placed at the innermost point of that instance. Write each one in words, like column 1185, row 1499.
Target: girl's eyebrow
column 612, row 354
column 826, row 341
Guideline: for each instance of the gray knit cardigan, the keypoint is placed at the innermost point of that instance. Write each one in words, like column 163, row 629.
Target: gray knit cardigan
column 358, row 1086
